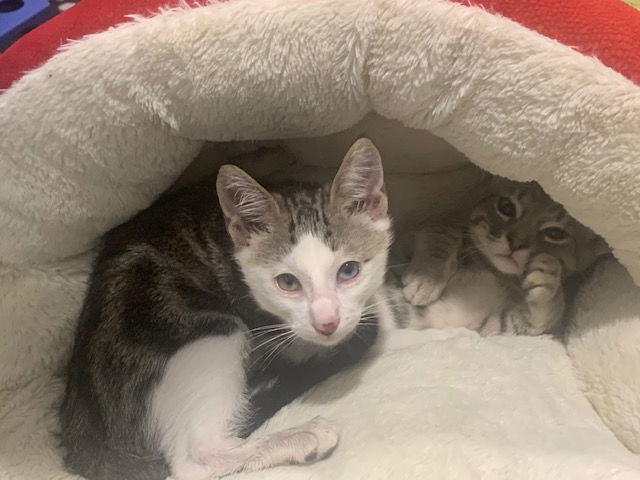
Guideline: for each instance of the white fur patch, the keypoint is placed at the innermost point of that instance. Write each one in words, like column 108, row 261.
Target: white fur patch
column 198, row 400
column 469, row 298
column 313, row 258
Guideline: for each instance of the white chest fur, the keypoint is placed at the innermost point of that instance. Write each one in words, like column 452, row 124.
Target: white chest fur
column 470, row 296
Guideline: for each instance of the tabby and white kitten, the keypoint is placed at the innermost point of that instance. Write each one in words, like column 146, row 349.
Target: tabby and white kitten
column 200, row 322
column 505, row 271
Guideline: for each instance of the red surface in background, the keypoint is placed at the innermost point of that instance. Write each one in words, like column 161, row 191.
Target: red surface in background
column 606, row 29
column 87, row 16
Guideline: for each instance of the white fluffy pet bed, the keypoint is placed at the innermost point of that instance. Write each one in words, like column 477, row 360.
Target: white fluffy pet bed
column 104, row 127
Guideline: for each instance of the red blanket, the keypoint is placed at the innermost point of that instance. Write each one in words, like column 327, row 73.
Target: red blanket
column 606, row 29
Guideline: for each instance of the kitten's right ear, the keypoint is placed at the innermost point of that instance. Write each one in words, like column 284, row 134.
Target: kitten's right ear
column 248, row 208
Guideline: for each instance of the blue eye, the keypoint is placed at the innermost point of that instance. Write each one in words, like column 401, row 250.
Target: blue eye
column 348, row 270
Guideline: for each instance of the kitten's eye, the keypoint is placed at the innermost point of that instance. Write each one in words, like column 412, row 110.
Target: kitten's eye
column 555, row 234
column 348, row 270
column 506, row 207
column 288, row 282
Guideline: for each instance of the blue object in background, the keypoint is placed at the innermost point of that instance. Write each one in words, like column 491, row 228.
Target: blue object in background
column 19, row 16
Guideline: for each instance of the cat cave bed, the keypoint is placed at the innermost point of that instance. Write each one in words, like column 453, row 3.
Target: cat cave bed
column 107, row 124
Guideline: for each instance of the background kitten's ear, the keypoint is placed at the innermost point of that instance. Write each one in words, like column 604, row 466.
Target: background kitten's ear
column 358, row 187
column 247, row 206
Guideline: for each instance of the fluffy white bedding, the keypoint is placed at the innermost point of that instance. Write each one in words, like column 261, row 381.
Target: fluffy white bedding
column 96, row 133
column 449, row 404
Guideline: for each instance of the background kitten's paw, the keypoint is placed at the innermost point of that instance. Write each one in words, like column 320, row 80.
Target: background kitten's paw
column 542, row 278
column 420, row 289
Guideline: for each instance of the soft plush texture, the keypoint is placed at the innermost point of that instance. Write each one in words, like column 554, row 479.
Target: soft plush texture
column 603, row 342
column 100, row 130
column 605, row 29
column 437, row 415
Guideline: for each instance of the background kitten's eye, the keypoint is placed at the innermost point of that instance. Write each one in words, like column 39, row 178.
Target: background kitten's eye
column 348, row 270
column 555, row 234
column 506, row 207
column 288, row 282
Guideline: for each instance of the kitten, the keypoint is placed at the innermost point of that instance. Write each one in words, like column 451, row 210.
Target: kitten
column 505, row 271
column 203, row 319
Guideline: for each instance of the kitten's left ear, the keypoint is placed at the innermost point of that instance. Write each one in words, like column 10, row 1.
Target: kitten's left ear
column 358, row 187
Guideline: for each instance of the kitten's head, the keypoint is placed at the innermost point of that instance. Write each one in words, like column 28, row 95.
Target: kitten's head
column 312, row 256
column 518, row 220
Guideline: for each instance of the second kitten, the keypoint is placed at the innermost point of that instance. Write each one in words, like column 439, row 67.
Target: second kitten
column 505, row 271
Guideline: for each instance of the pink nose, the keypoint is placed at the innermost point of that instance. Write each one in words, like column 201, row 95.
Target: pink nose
column 324, row 313
column 327, row 326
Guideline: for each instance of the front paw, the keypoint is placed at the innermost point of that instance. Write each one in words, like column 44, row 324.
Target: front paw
column 542, row 279
column 309, row 442
column 327, row 435
column 421, row 289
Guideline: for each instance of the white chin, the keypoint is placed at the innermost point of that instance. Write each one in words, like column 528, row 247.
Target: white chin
column 506, row 265
column 323, row 340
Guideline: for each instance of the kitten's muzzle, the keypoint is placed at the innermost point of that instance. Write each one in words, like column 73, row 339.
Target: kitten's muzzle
column 516, row 242
column 327, row 328
column 325, row 317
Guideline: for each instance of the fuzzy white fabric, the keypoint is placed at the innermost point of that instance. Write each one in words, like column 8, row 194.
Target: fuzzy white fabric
column 452, row 405
column 96, row 133
column 604, row 342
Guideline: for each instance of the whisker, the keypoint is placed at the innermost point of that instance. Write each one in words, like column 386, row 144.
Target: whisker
column 269, row 340
column 396, row 265
column 374, row 306
column 383, row 299
column 265, row 327
column 259, row 336
column 280, row 347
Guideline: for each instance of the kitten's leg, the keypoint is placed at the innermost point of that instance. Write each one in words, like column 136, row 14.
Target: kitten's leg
column 545, row 296
column 543, row 306
column 433, row 263
column 306, row 443
column 199, row 401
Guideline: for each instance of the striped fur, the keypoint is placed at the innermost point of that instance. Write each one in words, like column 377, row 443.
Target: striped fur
column 186, row 343
column 506, row 270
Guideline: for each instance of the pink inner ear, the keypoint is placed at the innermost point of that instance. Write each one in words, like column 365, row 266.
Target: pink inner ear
column 376, row 209
column 371, row 206
column 247, row 206
column 234, row 198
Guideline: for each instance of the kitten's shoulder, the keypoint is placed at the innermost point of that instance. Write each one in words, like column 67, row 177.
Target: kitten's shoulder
column 188, row 208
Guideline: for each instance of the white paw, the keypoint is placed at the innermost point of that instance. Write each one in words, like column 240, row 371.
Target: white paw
column 311, row 441
column 421, row 289
column 543, row 277
column 327, row 435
